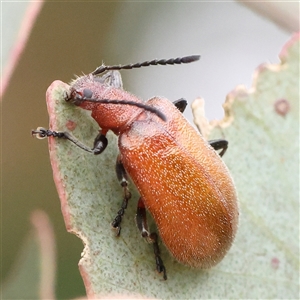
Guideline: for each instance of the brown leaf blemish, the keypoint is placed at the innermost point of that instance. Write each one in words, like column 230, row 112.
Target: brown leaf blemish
column 71, row 125
column 282, row 107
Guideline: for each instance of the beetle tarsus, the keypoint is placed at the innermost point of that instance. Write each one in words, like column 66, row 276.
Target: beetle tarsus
column 159, row 263
column 116, row 223
column 42, row 133
column 122, row 177
column 141, row 221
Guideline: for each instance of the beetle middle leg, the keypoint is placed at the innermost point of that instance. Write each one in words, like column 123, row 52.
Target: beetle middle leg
column 141, row 221
column 219, row 144
column 123, row 179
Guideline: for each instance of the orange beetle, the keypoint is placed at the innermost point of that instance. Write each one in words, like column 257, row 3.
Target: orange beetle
column 181, row 178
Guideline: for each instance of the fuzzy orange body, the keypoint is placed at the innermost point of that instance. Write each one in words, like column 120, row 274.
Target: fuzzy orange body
column 182, row 180
column 184, row 184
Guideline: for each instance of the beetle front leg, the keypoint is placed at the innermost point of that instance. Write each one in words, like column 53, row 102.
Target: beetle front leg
column 141, row 221
column 100, row 142
column 219, row 144
column 42, row 133
column 123, row 179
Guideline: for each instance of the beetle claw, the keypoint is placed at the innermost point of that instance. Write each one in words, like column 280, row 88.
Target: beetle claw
column 116, row 228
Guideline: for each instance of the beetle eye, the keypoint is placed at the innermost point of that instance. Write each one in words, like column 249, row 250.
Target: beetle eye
column 87, row 94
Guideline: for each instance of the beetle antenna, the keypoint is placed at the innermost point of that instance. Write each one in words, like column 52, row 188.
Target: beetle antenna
column 128, row 102
column 154, row 62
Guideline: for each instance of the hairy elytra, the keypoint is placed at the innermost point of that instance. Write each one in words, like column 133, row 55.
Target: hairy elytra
column 184, row 184
column 182, row 180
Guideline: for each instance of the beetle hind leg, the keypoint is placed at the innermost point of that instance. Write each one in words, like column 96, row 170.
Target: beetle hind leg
column 141, row 221
column 219, row 145
column 122, row 176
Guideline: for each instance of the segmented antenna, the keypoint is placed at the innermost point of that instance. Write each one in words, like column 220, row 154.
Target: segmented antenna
column 154, row 62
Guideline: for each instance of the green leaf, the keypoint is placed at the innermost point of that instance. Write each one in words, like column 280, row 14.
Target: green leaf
column 262, row 127
column 263, row 160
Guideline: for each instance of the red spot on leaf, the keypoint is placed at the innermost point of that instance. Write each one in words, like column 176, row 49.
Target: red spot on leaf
column 275, row 263
column 71, row 125
column 282, row 107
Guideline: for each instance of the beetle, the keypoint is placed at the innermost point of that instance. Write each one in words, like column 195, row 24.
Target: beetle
column 181, row 178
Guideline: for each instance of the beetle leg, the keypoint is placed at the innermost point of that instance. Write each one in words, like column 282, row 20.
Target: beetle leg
column 141, row 221
column 219, row 144
column 180, row 104
column 159, row 263
column 100, row 142
column 42, row 133
column 123, row 179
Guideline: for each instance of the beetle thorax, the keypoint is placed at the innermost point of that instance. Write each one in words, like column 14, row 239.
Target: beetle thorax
column 108, row 116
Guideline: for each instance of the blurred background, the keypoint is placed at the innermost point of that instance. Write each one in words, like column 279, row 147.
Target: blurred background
column 69, row 38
